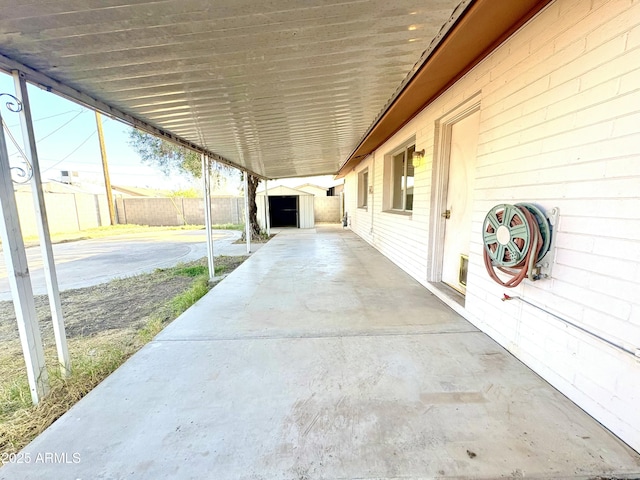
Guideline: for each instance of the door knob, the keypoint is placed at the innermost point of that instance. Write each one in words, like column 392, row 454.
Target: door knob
column 446, row 214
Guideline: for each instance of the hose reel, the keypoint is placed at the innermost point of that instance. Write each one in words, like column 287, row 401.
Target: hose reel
column 516, row 240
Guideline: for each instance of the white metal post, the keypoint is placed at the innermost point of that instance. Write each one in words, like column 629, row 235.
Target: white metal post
column 29, row 139
column 247, row 226
column 206, row 178
column 19, row 279
column 267, row 214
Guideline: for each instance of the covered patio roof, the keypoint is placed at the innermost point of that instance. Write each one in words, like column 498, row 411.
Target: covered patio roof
column 280, row 88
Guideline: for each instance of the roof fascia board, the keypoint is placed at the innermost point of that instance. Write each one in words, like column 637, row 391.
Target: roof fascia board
column 49, row 84
column 456, row 53
column 426, row 55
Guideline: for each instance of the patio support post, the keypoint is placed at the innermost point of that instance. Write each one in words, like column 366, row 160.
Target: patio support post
column 48, row 261
column 206, row 179
column 267, row 212
column 247, row 225
column 18, row 272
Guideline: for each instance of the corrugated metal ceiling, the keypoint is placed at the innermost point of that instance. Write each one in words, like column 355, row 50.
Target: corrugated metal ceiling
column 283, row 88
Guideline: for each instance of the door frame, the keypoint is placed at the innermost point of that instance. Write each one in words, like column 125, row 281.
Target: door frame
column 440, row 180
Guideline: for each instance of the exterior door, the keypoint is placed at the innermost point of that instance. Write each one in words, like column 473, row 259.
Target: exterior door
column 283, row 211
column 459, row 197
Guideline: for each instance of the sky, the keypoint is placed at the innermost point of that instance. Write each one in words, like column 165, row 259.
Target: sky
column 67, row 139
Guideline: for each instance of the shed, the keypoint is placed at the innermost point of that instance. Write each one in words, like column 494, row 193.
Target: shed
column 288, row 207
column 316, row 190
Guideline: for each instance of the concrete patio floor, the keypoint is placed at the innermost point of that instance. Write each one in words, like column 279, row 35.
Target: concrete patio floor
column 320, row 359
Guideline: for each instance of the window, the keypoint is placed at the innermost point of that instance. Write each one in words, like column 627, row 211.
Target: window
column 363, row 188
column 401, row 192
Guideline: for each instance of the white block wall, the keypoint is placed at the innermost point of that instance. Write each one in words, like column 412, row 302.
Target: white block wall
column 559, row 127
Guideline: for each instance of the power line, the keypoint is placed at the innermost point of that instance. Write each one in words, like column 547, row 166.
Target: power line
column 75, row 149
column 21, row 151
column 50, row 116
column 51, row 133
column 63, row 125
column 71, row 153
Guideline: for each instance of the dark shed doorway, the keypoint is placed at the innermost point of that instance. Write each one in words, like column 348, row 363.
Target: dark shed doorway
column 283, row 211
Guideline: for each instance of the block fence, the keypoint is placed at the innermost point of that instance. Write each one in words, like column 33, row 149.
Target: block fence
column 181, row 211
column 178, row 211
column 69, row 212
column 66, row 212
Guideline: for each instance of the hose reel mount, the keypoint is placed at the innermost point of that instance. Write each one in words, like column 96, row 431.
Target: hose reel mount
column 517, row 241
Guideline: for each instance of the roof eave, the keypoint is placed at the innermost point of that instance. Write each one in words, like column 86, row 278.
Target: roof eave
column 472, row 36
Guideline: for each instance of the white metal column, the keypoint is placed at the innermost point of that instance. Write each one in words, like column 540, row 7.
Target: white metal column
column 267, row 212
column 19, row 279
column 29, row 139
column 206, row 179
column 247, row 226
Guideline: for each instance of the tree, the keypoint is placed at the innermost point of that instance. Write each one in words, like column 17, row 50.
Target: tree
column 256, row 233
column 168, row 157
column 171, row 158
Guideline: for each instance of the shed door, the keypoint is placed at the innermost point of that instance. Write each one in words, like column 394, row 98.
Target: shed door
column 462, row 162
column 283, row 211
column 306, row 217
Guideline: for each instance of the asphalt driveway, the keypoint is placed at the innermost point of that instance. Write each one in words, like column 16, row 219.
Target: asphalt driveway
column 91, row 262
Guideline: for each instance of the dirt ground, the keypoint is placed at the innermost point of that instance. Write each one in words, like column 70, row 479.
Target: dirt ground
column 105, row 325
column 121, row 303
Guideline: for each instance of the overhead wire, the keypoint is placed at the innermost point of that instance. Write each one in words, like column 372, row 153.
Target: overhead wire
column 21, row 151
column 57, row 129
column 70, row 153
column 61, row 126
column 50, row 116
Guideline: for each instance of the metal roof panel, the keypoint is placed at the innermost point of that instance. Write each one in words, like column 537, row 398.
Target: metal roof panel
column 281, row 87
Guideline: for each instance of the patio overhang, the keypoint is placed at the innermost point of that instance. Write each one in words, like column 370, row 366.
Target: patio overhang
column 280, row 89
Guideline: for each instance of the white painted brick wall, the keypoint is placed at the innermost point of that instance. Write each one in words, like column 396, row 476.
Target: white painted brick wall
column 560, row 127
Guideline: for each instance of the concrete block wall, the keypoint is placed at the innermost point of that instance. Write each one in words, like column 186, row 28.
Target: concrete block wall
column 193, row 210
column 152, row 211
column 66, row 212
column 178, row 211
column 326, row 209
column 227, row 210
column 559, row 116
column 223, row 210
column 89, row 212
column 121, row 213
column 69, row 212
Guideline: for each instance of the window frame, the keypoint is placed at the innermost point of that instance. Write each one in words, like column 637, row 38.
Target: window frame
column 363, row 188
column 391, row 184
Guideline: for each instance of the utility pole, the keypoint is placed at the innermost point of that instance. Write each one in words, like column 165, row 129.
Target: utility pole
column 105, row 169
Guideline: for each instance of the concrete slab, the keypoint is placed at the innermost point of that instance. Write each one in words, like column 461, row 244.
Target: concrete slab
column 91, row 262
column 316, row 359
